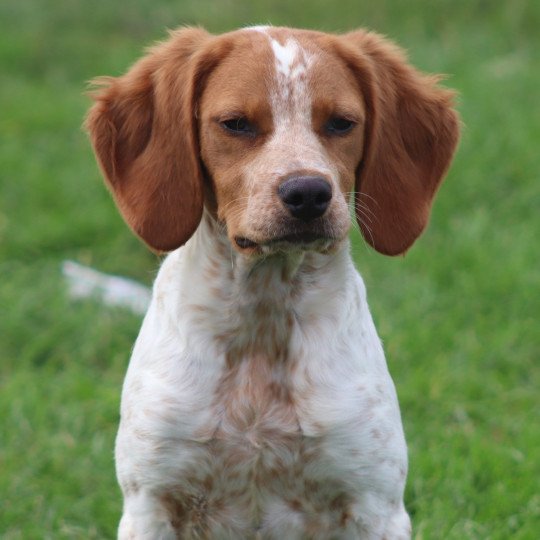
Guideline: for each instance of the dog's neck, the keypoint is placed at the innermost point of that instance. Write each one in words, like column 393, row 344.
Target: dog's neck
column 253, row 303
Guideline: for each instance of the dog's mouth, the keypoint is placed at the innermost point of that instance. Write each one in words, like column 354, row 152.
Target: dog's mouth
column 244, row 243
column 304, row 239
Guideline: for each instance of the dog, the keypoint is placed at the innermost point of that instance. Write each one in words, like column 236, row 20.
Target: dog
column 257, row 402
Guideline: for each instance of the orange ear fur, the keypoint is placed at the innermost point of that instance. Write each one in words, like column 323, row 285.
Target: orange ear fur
column 143, row 131
column 411, row 135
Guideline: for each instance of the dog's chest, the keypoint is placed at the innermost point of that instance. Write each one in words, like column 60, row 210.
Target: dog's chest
column 235, row 457
column 255, row 468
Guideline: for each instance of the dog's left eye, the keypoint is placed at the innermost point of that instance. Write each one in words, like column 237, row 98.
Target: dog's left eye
column 238, row 126
column 338, row 126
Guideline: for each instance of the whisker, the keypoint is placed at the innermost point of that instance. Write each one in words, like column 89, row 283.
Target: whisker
column 232, row 256
column 366, row 246
column 363, row 194
column 352, row 196
column 357, row 202
column 368, row 229
column 238, row 199
column 365, row 208
column 363, row 213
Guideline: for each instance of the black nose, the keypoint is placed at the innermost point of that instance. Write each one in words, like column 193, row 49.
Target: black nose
column 306, row 197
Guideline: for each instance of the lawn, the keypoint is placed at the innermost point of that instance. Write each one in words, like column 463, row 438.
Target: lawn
column 459, row 315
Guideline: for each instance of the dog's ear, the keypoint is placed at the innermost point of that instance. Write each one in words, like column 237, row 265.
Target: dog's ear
column 411, row 135
column 143, row 130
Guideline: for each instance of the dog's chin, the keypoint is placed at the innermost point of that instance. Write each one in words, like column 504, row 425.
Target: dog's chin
column 289, row 242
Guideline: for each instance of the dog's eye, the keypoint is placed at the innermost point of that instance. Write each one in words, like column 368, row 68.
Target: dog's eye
column 338, row 126
column 238, row 126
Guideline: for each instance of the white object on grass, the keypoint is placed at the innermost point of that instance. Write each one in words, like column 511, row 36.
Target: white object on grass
column 85, row 282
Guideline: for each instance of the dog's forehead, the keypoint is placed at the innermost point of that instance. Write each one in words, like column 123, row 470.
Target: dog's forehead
column 278, row 63
column 293, row 54
column 289, row 54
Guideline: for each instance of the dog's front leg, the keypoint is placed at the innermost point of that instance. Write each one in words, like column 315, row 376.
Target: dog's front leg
column 386, row 521
column 145, row 517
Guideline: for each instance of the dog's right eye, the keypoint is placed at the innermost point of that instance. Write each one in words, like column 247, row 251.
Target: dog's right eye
column 339, row 126
column 238, row 126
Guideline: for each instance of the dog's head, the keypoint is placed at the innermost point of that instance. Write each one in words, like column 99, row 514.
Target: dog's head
column 273, row 130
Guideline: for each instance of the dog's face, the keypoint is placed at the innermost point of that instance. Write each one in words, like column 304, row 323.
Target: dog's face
column 281, row 126
column 274, row 129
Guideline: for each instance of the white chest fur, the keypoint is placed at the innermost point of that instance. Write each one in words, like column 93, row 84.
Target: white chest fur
column 257, row 401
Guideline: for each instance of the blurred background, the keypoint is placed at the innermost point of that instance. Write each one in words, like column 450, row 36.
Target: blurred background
column 458, row 315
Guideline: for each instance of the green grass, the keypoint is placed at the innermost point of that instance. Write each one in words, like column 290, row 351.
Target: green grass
column 459, row 315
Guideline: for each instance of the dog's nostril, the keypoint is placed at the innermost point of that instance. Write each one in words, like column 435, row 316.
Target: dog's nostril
column 306, row 197
column 295, row 199
column 323, row 197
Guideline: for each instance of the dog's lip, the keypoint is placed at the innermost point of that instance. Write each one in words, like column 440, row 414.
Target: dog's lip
column 295, row 238
column 244, row 243
column 299, row 238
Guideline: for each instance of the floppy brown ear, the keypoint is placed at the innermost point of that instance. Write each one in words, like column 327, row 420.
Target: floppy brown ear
column 411, row 135
column 142, row 128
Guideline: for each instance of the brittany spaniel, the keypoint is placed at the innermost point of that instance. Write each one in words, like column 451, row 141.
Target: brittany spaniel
column 257, row 403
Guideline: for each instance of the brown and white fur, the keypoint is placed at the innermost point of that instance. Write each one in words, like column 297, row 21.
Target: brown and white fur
column 257, row 402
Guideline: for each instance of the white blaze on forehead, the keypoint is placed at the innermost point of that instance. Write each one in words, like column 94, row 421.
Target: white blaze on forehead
column 285, row 55
column 291, row 108
column 291, row 99
column 292, row 61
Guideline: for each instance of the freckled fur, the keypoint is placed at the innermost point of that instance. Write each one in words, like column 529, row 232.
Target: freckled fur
column 257, row 402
